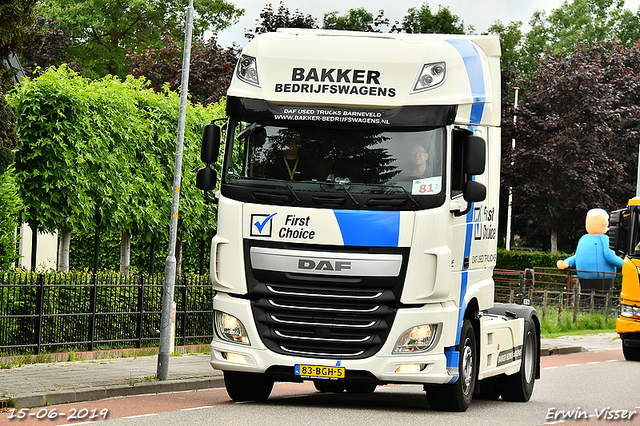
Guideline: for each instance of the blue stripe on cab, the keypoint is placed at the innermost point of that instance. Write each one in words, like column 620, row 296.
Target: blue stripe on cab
column 472, row 62
column 369, row 228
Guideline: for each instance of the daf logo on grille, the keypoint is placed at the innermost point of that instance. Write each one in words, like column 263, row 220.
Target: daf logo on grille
column 324, row 265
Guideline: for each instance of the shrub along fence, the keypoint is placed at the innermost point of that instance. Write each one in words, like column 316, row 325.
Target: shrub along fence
column 53, row 312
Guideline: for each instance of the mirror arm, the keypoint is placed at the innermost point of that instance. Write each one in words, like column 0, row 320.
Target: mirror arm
column 465, row 211
column 210, row 199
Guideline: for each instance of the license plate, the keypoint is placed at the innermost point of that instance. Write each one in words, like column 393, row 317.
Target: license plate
column 319, row 371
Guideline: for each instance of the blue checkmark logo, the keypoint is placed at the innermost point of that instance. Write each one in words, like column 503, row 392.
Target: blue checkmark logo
column 260, row 223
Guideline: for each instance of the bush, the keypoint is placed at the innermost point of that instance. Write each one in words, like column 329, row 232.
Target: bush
column 521, row 260
column 11, row 205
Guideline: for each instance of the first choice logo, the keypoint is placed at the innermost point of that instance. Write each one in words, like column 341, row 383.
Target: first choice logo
column 296, row 228
column 324, row 265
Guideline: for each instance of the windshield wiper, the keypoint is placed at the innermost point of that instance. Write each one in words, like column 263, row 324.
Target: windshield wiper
column 342, row 183
column 409, row 196
column 293, row 193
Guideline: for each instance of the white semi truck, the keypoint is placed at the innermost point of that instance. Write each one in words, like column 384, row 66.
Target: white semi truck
column 357, row 220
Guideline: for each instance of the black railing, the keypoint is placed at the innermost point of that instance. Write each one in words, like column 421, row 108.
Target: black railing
column 52, row 312
column 558, row 289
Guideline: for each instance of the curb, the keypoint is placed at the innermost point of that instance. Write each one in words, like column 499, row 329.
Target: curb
column 95, row 393
column 564, row 350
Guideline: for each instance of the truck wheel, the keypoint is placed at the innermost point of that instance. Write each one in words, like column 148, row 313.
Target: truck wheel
column 457, row 396
column 630, row 353
column 519, row 387
column 329, row 386
column 247, row 387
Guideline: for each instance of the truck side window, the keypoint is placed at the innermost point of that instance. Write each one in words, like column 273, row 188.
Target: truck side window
column 457, row 152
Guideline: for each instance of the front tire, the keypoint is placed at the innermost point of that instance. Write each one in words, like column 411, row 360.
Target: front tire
column 457, row 396
column 631, row 353
column 519, row 387
column 247, row 387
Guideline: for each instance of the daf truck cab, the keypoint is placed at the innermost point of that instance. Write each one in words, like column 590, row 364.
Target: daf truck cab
column 357, row 219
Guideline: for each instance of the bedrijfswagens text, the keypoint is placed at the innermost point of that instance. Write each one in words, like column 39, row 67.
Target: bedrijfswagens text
column 346, row 82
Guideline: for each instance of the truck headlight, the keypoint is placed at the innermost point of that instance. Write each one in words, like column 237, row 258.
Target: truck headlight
column 247, row 70
column 629, row 311
column 230, row 328
column 416, row 339
column 431, row 76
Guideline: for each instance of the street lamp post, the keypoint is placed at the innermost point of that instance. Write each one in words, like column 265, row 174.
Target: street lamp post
column 510, row 203
column 170, row 263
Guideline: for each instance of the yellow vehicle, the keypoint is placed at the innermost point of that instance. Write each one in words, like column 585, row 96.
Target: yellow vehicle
column 625, row 239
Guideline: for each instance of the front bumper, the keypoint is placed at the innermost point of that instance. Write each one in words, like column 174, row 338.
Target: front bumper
column 382, row 367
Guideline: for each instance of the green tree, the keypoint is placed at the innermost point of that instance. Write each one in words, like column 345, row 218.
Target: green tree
column 11, row 205
column 357, row 20
column 98, row 156
column 426, row 22
column 578, row 22
column 511, row 37
column 104, row 30
column 270, row 21
column 8, row 137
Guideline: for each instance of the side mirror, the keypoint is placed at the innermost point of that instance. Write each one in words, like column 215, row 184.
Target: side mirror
column 210, row 143
column 475, row 154
column 473, row 191
column 206, row 179
column 615, row 224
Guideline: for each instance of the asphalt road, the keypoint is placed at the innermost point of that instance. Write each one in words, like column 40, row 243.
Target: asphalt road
column 572, row 386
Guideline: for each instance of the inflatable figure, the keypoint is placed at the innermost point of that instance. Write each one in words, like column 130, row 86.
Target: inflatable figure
column 595, row 262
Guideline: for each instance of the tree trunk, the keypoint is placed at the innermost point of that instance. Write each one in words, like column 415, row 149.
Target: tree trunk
column 125, row 253
column 63, row 250
column 554, row 241
column 179, row 257
column 34, row 246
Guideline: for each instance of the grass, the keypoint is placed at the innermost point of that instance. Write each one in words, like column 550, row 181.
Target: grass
column 585, row 324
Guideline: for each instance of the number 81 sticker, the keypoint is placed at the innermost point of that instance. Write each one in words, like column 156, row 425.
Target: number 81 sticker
column 427, row 186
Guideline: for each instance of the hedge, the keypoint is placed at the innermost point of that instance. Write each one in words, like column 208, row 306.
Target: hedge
column 521, row 260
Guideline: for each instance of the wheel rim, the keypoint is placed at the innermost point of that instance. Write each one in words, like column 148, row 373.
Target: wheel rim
column 467, row 367
column 528, row 358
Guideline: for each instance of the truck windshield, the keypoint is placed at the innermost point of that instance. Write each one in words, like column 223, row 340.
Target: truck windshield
column 358, row 161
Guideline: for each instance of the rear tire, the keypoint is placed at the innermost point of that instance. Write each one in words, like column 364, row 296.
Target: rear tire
column 247, row 387
column 457, row 396
column 519, row 387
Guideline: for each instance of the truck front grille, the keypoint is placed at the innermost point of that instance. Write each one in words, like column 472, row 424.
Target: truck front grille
column 323, row 317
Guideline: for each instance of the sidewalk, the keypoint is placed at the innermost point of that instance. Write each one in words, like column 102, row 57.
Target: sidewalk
column 37, row 385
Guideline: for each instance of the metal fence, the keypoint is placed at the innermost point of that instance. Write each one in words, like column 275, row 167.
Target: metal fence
column 52, row 312
column 553, row 288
